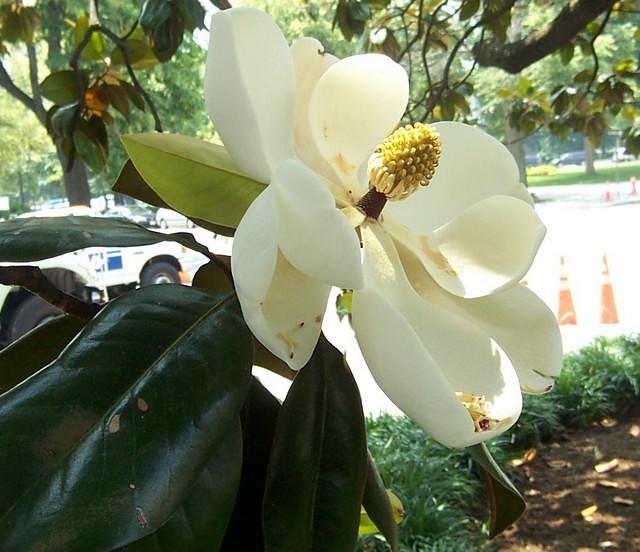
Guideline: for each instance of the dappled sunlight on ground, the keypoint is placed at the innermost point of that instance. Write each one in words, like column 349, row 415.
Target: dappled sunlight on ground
column 572, row 507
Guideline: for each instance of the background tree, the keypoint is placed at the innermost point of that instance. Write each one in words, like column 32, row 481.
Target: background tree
column 92, row 52
column 575, row 80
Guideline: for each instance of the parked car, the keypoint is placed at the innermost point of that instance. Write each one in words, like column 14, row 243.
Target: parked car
column 94, row 274
column 570, row 158
column 167, row 217
column 134, row 213
column 533, row 160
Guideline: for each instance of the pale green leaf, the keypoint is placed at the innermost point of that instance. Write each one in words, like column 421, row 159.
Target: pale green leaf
column 194, row 177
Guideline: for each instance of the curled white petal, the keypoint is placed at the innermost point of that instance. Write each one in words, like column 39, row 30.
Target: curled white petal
column 473, row 166
column 315, row 237
column 522, row 325
column 354, row 105
column 310, row 62
column 421, row 355
column 250, row 88
column 255, row 248
column 486, row 248
column 289, row 318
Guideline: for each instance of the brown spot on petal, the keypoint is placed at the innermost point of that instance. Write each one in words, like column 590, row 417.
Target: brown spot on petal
column 343, row 165
column 435, row 257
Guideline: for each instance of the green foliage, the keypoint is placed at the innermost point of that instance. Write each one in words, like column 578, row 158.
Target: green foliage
column 159, row 414
column 434, row 483
column 600, row 380
column 33, row 239
column 212, row 188
column 41, row 346
column 314, row 502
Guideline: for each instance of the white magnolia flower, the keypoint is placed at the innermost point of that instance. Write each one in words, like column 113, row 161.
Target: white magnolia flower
column 445, row 328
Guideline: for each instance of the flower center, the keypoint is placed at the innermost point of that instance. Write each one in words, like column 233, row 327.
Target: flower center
column 475, row 405
column 404, row 161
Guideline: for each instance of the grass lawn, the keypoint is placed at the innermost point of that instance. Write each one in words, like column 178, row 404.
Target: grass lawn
column 608, row 173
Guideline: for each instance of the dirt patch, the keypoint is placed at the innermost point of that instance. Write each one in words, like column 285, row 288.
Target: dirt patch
column 573, row 507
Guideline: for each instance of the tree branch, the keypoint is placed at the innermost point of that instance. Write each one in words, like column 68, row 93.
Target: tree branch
column 7, row 83
column 35, row 84
column 34, row 280
column 515, row 56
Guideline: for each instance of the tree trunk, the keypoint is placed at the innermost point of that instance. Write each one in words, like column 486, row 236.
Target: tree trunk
column 590, row 168
column 514, row 143
column 76, row 183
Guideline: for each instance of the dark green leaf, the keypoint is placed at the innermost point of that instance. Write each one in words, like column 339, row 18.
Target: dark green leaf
column 167, row 37
column 154, row 13
column 200, row 523
column 36, row 349
column 259, row 417
column 468, row 9
column 61, row 87
column 103, row 446
column 63, row 117
column 34, row 239
column 130, row 183
column 358, row 11
column 507, row 504
column 192, row 13
column 377, row 504
column 196, row 178
column 318, row 466
column 212, row 278
column 91, row 142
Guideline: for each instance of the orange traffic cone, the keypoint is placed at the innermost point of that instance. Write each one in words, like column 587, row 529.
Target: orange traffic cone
column 607, row 195
column 566, row 310
column 608, row 310
column 634, row 191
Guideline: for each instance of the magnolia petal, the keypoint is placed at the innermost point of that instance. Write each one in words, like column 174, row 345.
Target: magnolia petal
column 473, row 166
column 421, row 354
column 522, row 325
column 313, row 234
column 289, row 318
column 310, row 62
column 250, row 89
column 356, row 103
column 255, row 248
column 488, row 247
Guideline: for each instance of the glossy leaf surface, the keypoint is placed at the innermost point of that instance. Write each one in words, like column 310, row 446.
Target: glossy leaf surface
column 100, row 448
column 259, row 418
column 318, row 465
column 378, row 506
column 36, row 349
column 200, row 522
column 34, row 239
column 507, row 504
